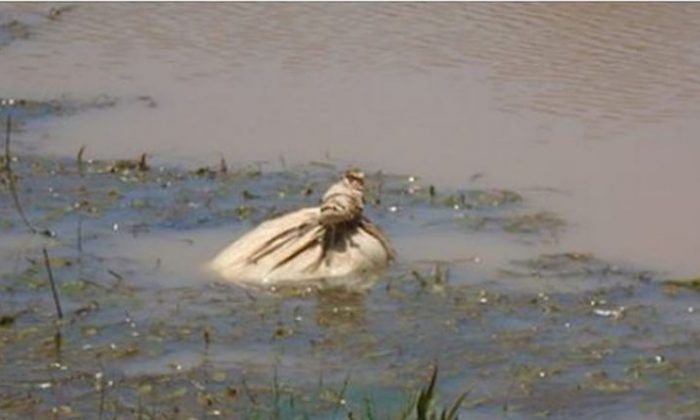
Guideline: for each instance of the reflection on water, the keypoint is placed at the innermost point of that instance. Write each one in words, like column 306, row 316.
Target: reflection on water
column 596, row 100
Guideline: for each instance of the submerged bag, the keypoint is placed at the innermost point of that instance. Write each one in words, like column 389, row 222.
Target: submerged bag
column 332, row 240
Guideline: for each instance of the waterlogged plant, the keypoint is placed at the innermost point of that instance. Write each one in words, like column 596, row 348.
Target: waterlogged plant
column 424, row 405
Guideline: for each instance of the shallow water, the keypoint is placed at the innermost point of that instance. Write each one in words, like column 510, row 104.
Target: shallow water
column 587, row 111
column 147, row 331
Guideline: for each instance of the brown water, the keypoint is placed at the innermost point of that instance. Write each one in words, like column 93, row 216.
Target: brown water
column 595, row 101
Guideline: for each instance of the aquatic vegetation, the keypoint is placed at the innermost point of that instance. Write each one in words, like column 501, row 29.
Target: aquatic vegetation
column 139, row 340
column 690, row 284
column 542, row 221
column 480, row 199
column 12, row 30
column 425, row 403
column 494, row 210
column 24, row 110
column 21, row 27
column 572, row 265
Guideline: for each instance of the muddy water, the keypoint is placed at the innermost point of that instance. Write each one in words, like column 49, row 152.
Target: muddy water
column 586, row 111
column 597, row 101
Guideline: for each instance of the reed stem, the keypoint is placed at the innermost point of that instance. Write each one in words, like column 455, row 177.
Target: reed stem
column 54, row 291
column 11, row 178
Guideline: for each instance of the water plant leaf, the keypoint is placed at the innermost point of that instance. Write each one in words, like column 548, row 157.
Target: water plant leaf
column 690, row 284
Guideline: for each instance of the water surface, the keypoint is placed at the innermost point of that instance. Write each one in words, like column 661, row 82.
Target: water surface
column 596, row 100
column 587, row 111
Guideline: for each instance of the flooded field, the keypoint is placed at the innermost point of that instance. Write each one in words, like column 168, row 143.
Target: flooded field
column 535, row 166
